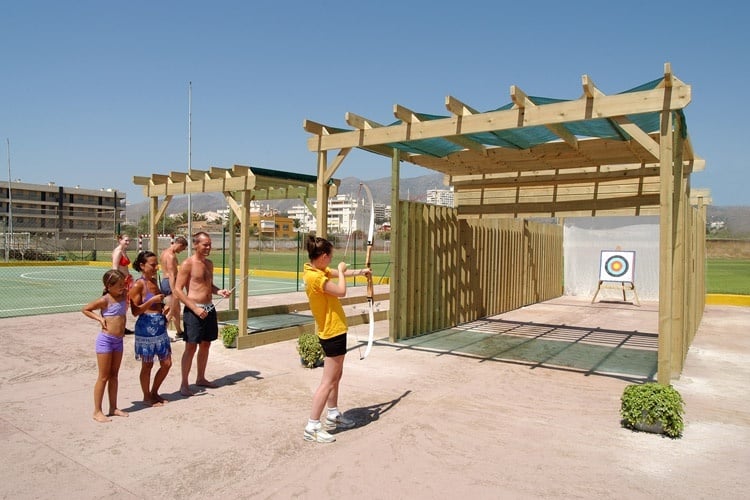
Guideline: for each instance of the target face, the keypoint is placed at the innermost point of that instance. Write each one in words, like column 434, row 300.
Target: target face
column 617, row 266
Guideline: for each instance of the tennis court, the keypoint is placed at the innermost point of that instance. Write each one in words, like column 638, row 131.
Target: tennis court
column 34, row 290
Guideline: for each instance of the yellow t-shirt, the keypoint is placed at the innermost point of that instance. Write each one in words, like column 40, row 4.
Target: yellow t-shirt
column 326, row 309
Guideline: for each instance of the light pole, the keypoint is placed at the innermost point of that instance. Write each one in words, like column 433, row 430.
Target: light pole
column 9, row 242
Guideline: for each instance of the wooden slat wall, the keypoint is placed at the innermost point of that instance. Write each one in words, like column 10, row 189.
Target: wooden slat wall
column 507, row 264
column 696, row 276
column 428, row 270
column 455, row 271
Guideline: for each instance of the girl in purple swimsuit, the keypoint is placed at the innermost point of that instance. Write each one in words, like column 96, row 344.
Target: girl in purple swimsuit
column 151, row 338
column 112, row 307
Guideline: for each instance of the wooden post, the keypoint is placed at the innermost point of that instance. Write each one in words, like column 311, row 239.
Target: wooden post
column 321, row 212
column 395, row 251
column 244, row 217
column 666, row 249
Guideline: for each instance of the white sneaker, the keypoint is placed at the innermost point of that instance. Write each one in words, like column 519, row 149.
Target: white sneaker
column 339, row 421
column 318, row 435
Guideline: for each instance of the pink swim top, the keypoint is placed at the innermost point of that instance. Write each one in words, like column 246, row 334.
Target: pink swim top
column 116, row 308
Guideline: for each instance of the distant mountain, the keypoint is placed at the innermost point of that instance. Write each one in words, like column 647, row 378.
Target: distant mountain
column 737, row 218
column 414, row 188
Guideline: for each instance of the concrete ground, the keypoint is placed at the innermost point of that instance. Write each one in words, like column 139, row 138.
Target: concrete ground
column 431, row 422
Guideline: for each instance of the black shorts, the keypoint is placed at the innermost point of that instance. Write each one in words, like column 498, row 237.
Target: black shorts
column 200, row 330
column 335, row 346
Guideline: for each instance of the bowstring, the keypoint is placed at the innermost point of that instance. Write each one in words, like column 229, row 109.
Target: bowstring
column 346, row 250
column 214, row 304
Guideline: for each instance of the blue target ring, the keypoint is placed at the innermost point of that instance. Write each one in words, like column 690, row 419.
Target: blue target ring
column 616, row 266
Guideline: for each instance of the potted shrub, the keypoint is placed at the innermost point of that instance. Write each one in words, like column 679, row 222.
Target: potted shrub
column 310, row 351
column 229, row 335
column 652, row 407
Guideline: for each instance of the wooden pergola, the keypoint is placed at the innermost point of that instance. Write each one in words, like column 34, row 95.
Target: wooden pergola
column 621, row 154
column 240, row 185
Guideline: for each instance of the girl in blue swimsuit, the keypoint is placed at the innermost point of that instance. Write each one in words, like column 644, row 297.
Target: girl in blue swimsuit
column 112, row 306
column 151, row 338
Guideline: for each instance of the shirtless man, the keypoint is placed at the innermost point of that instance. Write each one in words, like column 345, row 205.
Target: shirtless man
column 195, row 288
column 168, row 264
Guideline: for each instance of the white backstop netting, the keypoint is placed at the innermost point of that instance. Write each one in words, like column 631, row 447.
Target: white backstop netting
column 585, row 238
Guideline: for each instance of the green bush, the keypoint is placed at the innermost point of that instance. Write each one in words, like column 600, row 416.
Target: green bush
column 309, row 349
column 229, row 335
column 653, row 404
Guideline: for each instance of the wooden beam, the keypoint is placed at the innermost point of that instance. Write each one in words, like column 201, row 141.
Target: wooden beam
column 234, row 205
column 242, row 170
column 589, row 88
column 292, row 332
column 459, row 108
column 560, row 207
column 560, row 112
column 638, row 134
column 336, row 163
column 159, row 178
column 668, row 76
column 405, row 114
column 387, row 151
column 177, row 176
column 467, row 143
column 360, row 122
column 522, row 100
column 218, row 173
column 700, row 196
column 315, row 127
column 555, row 179
column 162, row 209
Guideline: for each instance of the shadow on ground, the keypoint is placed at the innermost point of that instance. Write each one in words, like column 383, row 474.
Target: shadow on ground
column 631, row 355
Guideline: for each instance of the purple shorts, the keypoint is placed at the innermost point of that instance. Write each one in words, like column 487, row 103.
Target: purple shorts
column 106, row 343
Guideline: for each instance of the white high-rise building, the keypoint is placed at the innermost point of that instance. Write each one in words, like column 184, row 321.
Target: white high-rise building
column 442, row 197
column 342, row 215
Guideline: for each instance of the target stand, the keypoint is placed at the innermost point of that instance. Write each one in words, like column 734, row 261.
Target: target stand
column 618, row 285
column 616, row 271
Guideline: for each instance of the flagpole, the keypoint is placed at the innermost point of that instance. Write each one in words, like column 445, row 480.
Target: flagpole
column 190, row 157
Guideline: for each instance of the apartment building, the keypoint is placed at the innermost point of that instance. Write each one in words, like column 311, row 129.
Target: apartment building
column 342, row 215
column 443, row 197
column 62, row 212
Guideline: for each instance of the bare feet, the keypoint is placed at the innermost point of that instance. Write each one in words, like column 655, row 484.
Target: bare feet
column 185, row 391
column 206, row 383
column 119, row 413
column 101, row 417
column 152, row 402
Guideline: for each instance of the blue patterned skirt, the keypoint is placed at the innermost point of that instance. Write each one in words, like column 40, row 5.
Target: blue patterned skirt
column 151, row 338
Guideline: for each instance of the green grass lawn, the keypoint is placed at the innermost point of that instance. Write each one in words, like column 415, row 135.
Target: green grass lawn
column 291, row 261
column 728, row 276
column 722, row 275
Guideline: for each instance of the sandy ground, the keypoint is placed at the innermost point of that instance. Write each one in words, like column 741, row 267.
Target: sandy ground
column 430, row 425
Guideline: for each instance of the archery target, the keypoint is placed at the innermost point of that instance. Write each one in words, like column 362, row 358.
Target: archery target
column 616, row 266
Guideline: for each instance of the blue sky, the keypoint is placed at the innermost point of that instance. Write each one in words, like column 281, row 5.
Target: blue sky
column 95, row 92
